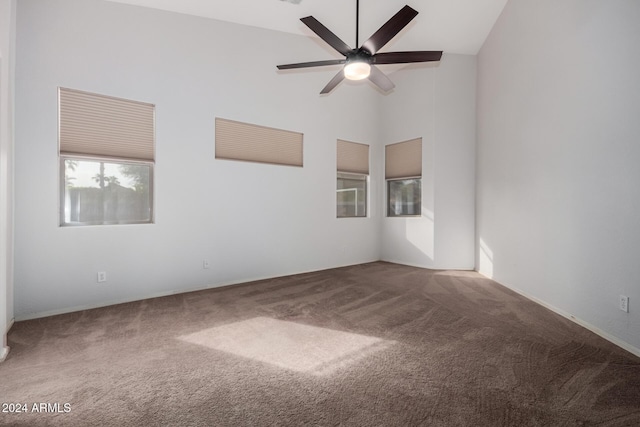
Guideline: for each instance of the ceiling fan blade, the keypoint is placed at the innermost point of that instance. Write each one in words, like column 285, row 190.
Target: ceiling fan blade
column 333, row 83
column 325, row 34
column 311, row 64
column 380, row 79
column 389, row 30
column 406, row 57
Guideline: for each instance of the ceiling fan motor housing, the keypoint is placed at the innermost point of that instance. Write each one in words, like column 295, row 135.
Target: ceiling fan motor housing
column 359, row 56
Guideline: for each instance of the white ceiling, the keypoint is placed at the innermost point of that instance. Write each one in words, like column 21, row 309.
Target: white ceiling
column 454, row 26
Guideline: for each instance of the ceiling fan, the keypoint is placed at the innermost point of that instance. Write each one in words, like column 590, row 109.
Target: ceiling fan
column 360, row 63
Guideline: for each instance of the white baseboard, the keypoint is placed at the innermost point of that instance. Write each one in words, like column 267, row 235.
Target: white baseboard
column 408, row 264
column 4, row 352
column 76, row 308
column 607, row 336
column 429, row 266
column 38, row 315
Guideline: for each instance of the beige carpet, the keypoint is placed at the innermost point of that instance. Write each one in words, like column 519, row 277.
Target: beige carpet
column 375, row 344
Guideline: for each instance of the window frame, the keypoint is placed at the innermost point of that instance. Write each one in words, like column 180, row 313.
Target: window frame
column 62, row 186
column 388, row 189
column 354, row 177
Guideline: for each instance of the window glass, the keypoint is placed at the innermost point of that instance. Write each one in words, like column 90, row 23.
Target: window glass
column 106, row 192
column 351, row 195
column 404, row 197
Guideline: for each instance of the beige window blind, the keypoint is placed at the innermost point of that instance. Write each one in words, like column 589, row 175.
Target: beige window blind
column 99, row 125
column 352, row 157
column 404, row 159
column 253, row 143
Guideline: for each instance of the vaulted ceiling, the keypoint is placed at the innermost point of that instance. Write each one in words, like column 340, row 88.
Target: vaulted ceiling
column 454, row 26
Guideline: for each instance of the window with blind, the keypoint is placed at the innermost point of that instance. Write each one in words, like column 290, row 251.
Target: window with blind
column 353, row 172
column 254, row 143
column 403, row 172
column 107, row 155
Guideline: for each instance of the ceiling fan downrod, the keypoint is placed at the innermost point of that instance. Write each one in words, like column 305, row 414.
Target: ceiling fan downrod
column 357, row 21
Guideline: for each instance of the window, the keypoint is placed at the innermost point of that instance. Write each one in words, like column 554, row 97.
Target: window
column 351, row 195
column 107, row 156
column 404, row 197
column 352, row 176
column 403, row 172
column 106, row 192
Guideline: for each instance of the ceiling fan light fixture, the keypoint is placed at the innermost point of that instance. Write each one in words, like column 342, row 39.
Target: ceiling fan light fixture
column 357, row 70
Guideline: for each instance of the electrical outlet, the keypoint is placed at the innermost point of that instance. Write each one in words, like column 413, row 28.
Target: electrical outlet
column 205, row 264
column 624, row 303
column 102, row 276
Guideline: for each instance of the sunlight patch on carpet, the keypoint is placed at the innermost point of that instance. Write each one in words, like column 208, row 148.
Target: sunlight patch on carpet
column 289, row 345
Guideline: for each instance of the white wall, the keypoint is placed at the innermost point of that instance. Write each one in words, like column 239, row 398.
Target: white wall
column 454, row 162
column 250, row 220
column 409, row 113
column 437, row 103
column 7, row 39
column 558, row 155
